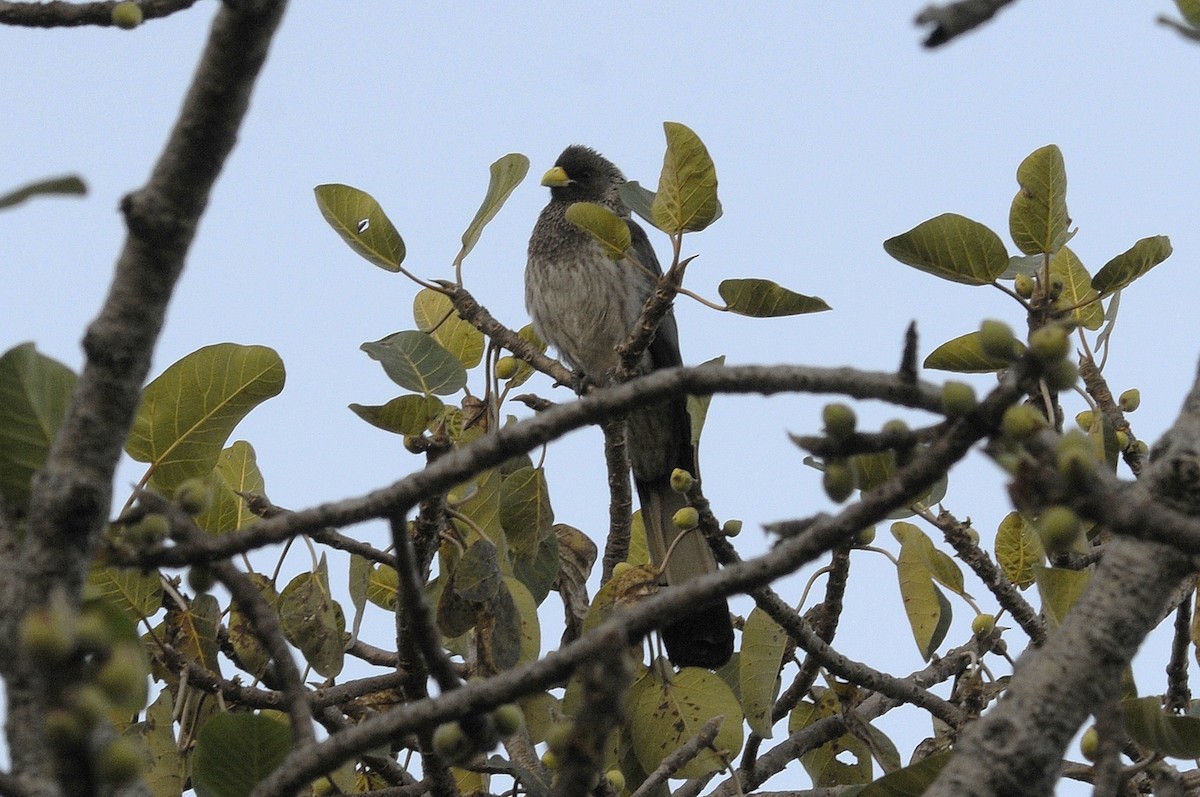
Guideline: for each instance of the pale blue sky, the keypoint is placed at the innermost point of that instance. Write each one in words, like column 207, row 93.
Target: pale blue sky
column 831, row 128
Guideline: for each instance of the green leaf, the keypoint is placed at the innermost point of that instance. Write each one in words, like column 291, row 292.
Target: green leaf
column 189, row 411
column 313, row 621
column 1129, row 265
column 135, row 592
column 358, row 218
column 434, row 313
column 1059, row 589
column 965, row 355
column 524, row 369
column 402, row 415
column 1190, row 10
column 927, row 609
column 760, row 298
column 383, row 586
column 1038, row 218
column 665, row 714
column 686, row 200
column 697, row 406
column 844, row 761
column 236, row 472
column 525, row 511
column 1169, row 734
column 1077, row 290
column 911, row 781
column 166, row 768
column 506, row 174
column 236, row 751
column 1018, row 549
column 952, row 247
column 638, row 199
column 67, row 185
column 606, row 228
column 35, row 392
column 763, row 644
column 530, row 635
column 415, row 361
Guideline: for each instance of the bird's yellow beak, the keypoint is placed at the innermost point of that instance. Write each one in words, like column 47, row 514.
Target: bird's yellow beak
column 556, row 178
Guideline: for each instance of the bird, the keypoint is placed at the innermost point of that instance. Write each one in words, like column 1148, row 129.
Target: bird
column 586, row 304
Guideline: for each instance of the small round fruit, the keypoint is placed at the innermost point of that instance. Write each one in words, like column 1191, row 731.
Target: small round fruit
column 551, row 760
column 1085, row 419
column 983, row 625
column 46, row 636
column 508, row 719
column 151, row 529
column 732, row 527
column 1060, row 528
column 1089, row 744
column 507, row 367
column 118, row 762
column 616, row 779
column 865, row 537
column 123, row 677
column 92, row 634
column 127, row 15
column 839, row 420
column 1122, row 439
column 1061, row 375
column 958, row 399
column 1076, row 464
column 997, row 340
column 559, row 736
column 64, row 730
column 838, row 481
column 194, row 495
column 686, row 518
column 1023, row 285
column 895, row 426
column 1050, row 343
column 451, row 743
column 681, row 480
column 1021, row 422
column 1130, row 400
column 89, row 703
column 200, row 578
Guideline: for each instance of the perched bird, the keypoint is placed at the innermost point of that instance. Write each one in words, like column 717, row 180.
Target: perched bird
column 585, row 305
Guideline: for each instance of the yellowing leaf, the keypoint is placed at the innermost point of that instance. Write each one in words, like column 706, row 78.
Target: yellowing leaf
column 1038, row 218
column 665, row 714
column 1018, row 549
column 952, row 247
column 842, row 762
column 686, row 200
column 927, row 609
column 1131, row 264
column 313, row 621
column 362, row 224
column 763, row 643
column 236, row 472
column 189, row 411
column 1077, row 290
column 415, row 361
column 434, row 313
column 965, row 355
column 1059, row 589
column 506, row 174
column 607, row 228
column 760, row 298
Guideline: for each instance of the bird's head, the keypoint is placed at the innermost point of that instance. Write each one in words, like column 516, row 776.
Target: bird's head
column 582, row 174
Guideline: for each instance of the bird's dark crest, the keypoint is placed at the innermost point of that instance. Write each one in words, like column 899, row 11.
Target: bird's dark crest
column 592, row 175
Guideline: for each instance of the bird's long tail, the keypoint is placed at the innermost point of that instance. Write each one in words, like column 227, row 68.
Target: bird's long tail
column 704, row 637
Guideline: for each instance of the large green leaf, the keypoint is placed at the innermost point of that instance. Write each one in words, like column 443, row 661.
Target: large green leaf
column 313, row 621
column 137, row 593
column 1038, row 218
column 1190, row 10
column 1059, row 588
column 911, row 781
column 664, row 714
column 236, row 751
column 405, row 415
column 434, row 313
column 358, row 218
column 1169, row 734
column 1131, row 264
column 686, row 200
column 525, row 511
column 1078, row 295
column 506, row 174
column 842, row 762
column 416, row 361
column 34, row 394
column 607, row 228
column 965, row 355
column 189, row 411
column 763, row 644
column 1018, row 549
column 638, row 199
column 952, row 247
column 63, row 186
column 761, row 298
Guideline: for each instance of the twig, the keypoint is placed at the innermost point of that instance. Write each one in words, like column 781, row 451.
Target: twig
column 681, row 756
column 954, row 19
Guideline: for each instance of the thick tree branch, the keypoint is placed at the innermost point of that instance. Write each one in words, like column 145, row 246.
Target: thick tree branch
column 60, row 14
